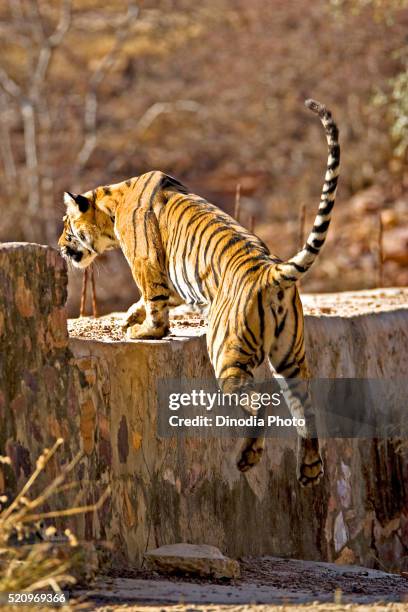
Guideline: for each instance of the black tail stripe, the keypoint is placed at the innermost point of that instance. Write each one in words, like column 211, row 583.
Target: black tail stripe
column 330, row 186
column 297, row 267
column 311, row 249
column 319, row 229
column 318, row 243
column 327, row 208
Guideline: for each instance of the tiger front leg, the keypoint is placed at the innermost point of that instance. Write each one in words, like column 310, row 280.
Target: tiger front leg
column 152, row 282
column 149, row 272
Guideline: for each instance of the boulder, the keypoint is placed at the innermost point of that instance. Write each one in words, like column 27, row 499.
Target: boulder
column 198, row 559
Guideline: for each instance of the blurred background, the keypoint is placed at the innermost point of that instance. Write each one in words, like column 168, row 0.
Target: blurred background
column 95, row 92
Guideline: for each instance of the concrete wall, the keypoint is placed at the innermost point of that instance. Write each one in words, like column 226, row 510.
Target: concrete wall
column 167, row 490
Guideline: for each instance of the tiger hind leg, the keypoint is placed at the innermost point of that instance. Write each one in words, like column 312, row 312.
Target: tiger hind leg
column 290, row 363
column 252, row 448
column 234, row 359
column 251, row 453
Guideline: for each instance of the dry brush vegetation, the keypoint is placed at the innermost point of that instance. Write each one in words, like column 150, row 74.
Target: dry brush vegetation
column 33, row 556
column 92, row 93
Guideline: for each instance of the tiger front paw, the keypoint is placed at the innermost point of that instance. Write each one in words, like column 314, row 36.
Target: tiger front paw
column 146, row 332
column 134, row 316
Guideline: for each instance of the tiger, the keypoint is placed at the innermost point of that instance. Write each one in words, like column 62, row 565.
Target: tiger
column 183, row 249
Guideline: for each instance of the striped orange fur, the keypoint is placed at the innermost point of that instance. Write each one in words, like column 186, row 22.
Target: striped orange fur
column 181, row 248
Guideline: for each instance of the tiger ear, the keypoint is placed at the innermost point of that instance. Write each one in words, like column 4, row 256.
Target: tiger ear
column 79, row 201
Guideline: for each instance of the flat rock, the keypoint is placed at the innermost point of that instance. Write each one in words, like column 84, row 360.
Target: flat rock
column 197, row 559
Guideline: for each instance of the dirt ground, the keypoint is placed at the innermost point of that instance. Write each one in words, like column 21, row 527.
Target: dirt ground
column 267, row 583
column 394, row 607
column 109, row 327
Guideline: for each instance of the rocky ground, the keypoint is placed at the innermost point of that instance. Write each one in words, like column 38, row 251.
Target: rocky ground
column 269, row 583
column 260, row 608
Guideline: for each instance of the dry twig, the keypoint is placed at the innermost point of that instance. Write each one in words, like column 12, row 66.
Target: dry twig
column 302, row 221
column 237, row 206
column 94, row 302
column 380, row 251
column 83, row 293
column 86, row 277
column 160, row 108
column 122, row 32
column 31, row 100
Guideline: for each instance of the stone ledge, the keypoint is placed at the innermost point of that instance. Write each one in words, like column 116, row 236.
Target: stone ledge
column 185, row 323
column 355, row 303
column 203, row 497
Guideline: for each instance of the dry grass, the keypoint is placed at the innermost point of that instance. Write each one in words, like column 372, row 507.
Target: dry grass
column 26, row 562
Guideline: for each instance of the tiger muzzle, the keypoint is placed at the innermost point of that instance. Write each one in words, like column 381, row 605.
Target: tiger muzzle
column 72, row 254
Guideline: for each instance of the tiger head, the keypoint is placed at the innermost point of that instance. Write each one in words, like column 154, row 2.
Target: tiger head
column 88, row 230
